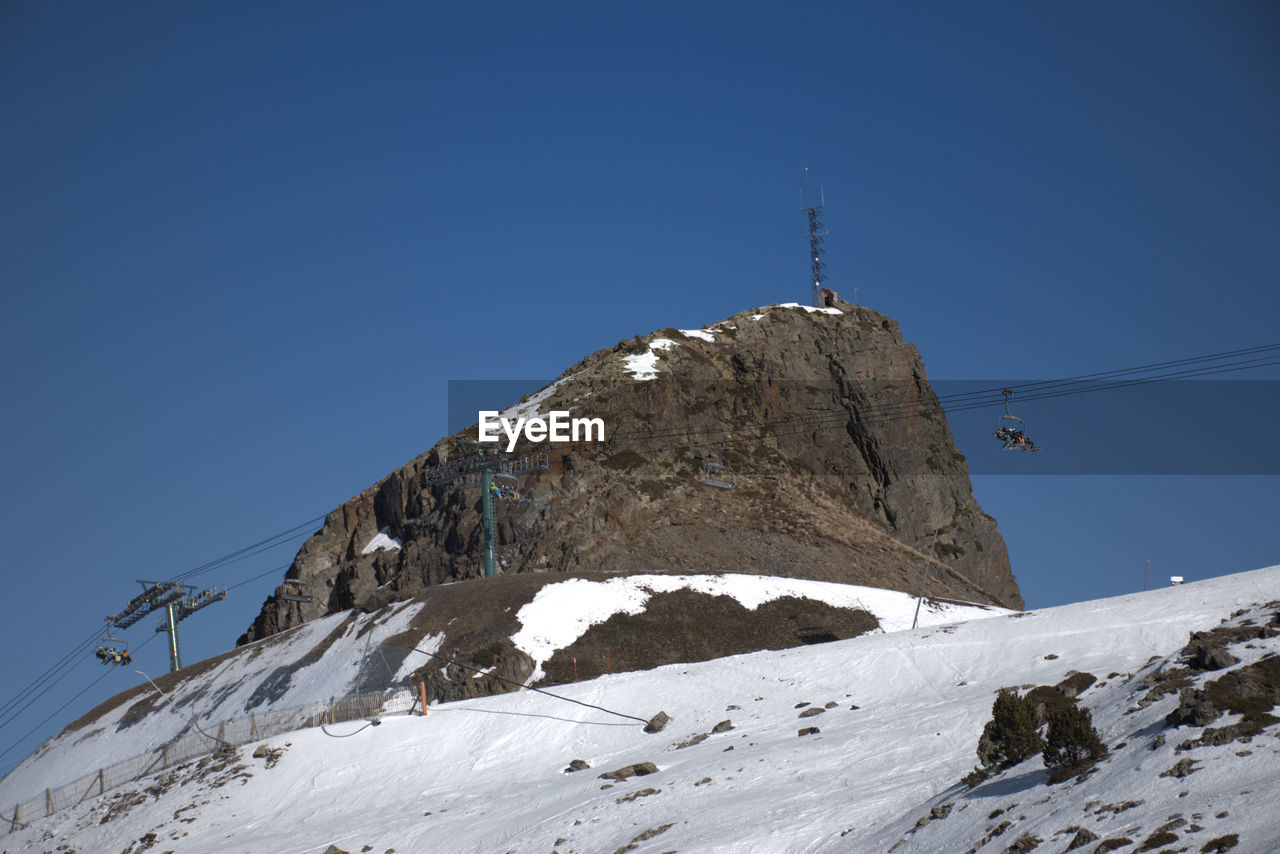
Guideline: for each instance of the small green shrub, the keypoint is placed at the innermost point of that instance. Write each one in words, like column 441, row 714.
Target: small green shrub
column 1071, row 742
column 1012, row 734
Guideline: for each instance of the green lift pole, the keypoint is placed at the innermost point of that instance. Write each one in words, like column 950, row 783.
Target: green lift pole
column 476, row 465
column 179, row 601
column 486, row 522
column 175, row 652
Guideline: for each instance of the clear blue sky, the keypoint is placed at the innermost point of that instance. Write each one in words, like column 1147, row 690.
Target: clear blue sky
column 244, row 246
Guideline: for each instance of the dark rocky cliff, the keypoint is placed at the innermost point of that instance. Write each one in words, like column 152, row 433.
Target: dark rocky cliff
column 846, row 470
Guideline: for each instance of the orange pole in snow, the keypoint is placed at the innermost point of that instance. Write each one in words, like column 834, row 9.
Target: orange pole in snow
column 422, row 695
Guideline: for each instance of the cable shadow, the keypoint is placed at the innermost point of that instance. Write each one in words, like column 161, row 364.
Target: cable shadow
column 431, row 711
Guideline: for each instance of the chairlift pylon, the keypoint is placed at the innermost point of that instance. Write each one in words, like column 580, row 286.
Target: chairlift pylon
column 1012, row 430
column 717, row 475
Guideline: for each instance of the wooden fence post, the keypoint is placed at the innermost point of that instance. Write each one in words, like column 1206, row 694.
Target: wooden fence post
column 422, row 695
column 13, row 822
column 88, row 790
column 164, row 756
column 48, row 802
column 253, row 728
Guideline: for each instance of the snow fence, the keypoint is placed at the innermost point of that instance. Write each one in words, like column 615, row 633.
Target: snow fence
column 193, row 745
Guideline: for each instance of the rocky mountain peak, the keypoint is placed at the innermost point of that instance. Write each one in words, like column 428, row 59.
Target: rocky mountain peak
column 845, row 471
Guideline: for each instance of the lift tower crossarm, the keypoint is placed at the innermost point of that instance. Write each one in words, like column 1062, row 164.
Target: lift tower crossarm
column 179, row 602
column 154, row 596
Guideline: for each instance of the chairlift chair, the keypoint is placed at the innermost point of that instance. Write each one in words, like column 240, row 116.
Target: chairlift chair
column 300, row 592
column 1012, row 430
column 506, row 487
column 113, row 654
column 717, row 475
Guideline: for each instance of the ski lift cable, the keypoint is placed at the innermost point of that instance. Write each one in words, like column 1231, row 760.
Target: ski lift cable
column 1043, row 386
column 840, row 421
column 271, row 571
column 967, row 400
column 252, row 549
column 63, row 667
column 68, row 665
column 56, row 711
column 70, row 659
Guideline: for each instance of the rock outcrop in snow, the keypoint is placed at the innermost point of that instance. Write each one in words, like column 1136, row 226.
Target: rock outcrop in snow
column 846, row 471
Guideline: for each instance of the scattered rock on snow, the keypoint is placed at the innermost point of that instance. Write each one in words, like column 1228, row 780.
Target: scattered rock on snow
column 809, row 730
column 1083, row 837
column 641, row 793
column 1112, row 844
column 1212, row 657
column 577, row 765
column 1024, row 843
column 1181, row 768
column 723, row 726
column 1193, row 709
column 639, row 769
column 1157, row 839
column 657, row 722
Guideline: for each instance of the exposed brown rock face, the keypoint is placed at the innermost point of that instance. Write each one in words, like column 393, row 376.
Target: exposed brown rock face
column 845, row 467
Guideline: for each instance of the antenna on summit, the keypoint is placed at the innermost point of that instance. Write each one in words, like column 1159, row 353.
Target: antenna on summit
column 817, row 231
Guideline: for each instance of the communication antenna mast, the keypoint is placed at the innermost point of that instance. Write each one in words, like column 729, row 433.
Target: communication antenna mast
column 817, row 231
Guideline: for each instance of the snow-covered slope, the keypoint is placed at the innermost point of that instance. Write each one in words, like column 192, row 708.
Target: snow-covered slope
column 900, row 720
column 342, row 654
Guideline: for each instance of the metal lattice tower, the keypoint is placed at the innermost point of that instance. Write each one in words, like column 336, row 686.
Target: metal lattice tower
column 178, row 601
column 817, row 232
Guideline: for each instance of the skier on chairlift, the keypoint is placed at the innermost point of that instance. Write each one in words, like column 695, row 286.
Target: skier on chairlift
column 1012, row 437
